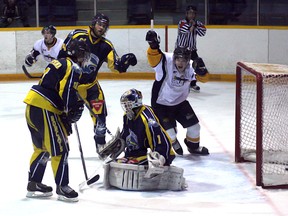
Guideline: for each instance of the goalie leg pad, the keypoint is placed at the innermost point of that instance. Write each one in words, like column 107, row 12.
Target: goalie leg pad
column 131, row 177
column 113, row 148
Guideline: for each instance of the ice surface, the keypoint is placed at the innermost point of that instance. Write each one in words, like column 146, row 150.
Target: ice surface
column 216, row 185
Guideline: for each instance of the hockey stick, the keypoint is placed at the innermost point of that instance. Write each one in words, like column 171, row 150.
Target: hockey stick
column 152, row 15
column 92, row 112
column 95, row 175
column 94, row 178
column 28, row 74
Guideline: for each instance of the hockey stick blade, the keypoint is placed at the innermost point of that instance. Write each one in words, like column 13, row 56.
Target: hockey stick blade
column 89, row 182
column 28, row 74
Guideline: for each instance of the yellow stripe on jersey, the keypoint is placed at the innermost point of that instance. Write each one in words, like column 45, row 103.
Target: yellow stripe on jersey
column 27, row 114
column 147, row 129
column 65, row 78
column 35, row 99
column 110, row 61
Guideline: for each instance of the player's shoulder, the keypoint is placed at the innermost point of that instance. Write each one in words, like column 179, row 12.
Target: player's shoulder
column 58, row 63
column 182, row 22
column 147, row 111
column 59, row 40
column 38, row 44
column 168, row 55
column 107, row 41
column 78, row 33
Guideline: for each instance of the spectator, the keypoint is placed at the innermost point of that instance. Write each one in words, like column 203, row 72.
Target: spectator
column 14, row 11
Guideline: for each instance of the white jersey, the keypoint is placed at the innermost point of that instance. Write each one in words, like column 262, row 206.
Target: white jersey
column 175, row 86
column 48, row 53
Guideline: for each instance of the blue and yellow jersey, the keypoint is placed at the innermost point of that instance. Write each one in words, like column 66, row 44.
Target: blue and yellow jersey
column 102, row 50
column 146, row 132
column 56, row 91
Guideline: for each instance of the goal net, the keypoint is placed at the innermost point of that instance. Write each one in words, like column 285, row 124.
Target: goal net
column 261, row 134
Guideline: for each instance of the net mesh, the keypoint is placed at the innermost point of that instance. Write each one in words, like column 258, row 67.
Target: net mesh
column 274, row 119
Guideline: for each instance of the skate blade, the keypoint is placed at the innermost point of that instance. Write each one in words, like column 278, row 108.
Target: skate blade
column 37, row 194
column 65, row 199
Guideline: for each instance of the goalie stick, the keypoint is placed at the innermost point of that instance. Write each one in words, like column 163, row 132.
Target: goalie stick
column 94, row 178
column 28, row 74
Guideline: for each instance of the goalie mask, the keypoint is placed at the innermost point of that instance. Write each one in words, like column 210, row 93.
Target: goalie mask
column 130, row 100
column 181, row 57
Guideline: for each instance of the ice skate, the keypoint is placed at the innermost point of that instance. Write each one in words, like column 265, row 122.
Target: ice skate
column 38, row 190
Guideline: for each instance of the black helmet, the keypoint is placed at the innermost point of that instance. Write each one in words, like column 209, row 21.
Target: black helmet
column 49, row 28
column 191, row 7
column 100, row 17
column 78, row 49
column 182, row 52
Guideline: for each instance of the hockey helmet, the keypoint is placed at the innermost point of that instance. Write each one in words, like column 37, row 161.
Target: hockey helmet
column 182, row 52
column 50, row 28
column 191, row 8
column 130, row 100
column 100, row 18
column 77, row 49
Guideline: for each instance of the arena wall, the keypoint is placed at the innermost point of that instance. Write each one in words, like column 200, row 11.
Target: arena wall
column 221, row 48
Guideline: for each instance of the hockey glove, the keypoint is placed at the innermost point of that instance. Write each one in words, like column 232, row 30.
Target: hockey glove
column 199, row 66
column 76, row 112
column 29, row 60
column 66, row 123
column 125, row 61
column 153, row 39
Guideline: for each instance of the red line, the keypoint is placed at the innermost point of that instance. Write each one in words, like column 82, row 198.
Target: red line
column 242, row 169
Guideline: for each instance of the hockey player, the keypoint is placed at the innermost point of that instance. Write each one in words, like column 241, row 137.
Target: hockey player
column 102, row 50
column 142, row 131
column 146, row 164
column 52, row 106
column 173, row 74
column 188, row 30
column 49, row 46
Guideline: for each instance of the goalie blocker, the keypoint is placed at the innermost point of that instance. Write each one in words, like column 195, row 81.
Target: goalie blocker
column 132, row 177
column 113, row 148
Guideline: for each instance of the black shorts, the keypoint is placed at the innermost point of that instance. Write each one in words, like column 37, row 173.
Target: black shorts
column 182, row 113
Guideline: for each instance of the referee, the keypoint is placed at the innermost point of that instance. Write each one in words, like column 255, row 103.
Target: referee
column 188, row 29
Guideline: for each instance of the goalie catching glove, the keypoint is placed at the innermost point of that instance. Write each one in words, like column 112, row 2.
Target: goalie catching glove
column 153, row 39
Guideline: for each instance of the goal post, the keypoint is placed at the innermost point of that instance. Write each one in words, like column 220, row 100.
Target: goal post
column 261, row 121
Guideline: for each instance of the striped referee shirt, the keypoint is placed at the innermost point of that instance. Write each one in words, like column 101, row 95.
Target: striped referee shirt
column 187, row 38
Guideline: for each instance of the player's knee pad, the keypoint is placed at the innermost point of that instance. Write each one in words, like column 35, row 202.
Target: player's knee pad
column 193, row 131
column 131, row 177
